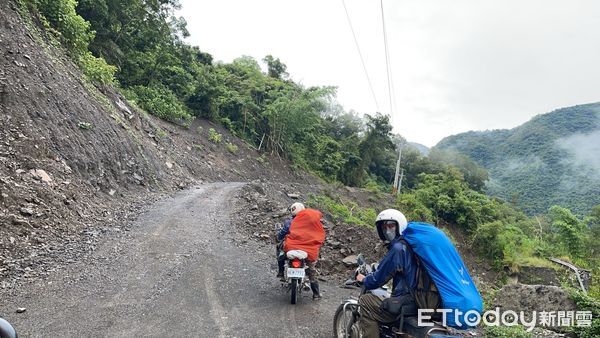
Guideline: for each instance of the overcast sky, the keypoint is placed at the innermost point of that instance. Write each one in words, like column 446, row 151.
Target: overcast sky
column 456, row 65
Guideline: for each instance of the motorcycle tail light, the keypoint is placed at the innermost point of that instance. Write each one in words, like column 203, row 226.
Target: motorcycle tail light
column 296, row 263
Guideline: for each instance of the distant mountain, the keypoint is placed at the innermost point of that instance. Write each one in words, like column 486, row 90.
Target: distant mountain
column 424, row 150
column 552, row 159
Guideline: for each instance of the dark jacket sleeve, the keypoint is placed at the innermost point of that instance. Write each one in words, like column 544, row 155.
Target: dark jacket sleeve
column 285, row 230
column 392, row 263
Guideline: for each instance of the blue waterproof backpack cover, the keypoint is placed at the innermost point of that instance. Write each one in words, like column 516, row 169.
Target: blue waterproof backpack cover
column 447, row 270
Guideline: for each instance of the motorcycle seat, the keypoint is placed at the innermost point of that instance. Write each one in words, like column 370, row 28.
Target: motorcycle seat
column 397, row 306
column 296, row 254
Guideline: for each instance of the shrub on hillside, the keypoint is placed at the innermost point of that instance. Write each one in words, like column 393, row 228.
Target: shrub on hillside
column 96, row 69
column 160, row 102
column 414, row 209
column 232, row 148
column 72, row 29
column 213, row 136
column 504, row 243
column 449, row 198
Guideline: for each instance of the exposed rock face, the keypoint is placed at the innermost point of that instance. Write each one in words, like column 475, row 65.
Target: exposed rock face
column 533, row 275
column 530, row 298
column 520, row 297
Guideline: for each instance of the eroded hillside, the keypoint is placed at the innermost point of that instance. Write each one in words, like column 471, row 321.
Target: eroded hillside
column 76, row 160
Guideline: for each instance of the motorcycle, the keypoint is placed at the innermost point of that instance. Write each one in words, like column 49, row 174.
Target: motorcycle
column 346, row 319
column 295, row 274
column 294, row 271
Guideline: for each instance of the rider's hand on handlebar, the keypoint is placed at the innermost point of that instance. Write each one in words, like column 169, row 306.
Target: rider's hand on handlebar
column 360, row 277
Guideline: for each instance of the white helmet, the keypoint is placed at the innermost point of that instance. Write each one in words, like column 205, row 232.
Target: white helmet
column 390, row 215
column 296, row 208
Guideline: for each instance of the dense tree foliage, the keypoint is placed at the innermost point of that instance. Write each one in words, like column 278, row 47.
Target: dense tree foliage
column 546, row 161
column 139, row 43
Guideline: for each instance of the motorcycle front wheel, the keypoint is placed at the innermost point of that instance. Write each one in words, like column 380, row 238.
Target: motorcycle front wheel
column 345, row 323
column 294, row 290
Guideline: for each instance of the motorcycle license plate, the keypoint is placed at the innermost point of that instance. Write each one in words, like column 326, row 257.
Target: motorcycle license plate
column 295, row 273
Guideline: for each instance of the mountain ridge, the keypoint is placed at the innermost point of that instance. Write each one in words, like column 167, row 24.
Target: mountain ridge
column 540, row 163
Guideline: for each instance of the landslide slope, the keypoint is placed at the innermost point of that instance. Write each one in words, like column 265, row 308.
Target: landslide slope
column 75, row 160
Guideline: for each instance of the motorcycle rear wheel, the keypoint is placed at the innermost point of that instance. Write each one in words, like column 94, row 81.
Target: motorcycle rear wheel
column 294, row 290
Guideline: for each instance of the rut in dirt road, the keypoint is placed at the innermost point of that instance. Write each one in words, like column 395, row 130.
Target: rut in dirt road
column 182, row 271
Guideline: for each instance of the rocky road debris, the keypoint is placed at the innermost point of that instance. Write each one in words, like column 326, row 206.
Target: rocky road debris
column 41, row 175
column 350, row 261
column 263, row 206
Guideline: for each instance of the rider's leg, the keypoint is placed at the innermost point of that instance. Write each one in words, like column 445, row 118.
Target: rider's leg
column 280, row 259
column 311, row 271
column 371, row 315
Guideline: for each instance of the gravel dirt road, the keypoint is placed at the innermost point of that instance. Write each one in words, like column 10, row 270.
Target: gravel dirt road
column 181, row 270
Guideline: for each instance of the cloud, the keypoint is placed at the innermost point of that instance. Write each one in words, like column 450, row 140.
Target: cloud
column 584, row 151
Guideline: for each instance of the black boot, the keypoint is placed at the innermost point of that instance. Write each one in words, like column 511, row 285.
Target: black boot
column 314, row 286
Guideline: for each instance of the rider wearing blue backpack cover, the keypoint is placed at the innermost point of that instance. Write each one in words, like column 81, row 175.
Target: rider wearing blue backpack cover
column 420, row 259
column 398, row 264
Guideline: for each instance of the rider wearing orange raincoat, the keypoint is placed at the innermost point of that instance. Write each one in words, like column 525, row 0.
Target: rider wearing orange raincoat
column 306, row 233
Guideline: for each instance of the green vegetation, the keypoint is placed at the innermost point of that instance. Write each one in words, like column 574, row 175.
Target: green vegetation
column 160, row 102
column 547, row 161
column 61, row 19
column 138, row 45
column 503, row 234
column 587, row 303
column 345, row 212
column 161, row 133
column 96, row 69
column 213, row 136
column 507, row 332
column 262, row 159
column 232, row 148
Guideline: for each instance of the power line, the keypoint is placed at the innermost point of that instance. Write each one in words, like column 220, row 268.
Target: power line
column 361, row 57
column 387, row 58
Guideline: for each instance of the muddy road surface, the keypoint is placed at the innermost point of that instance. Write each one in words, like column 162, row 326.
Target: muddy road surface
column 182, row 270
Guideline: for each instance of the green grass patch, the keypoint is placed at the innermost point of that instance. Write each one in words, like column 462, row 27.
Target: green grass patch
column 161, row 133
column 345, row 212
column 507, row 332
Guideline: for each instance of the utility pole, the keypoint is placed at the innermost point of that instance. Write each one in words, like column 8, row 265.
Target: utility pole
column 400, row 182
column 397, row 181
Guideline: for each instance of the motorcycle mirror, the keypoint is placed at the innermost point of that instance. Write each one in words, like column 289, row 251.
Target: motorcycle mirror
column 7, row 330
column 360, row 259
